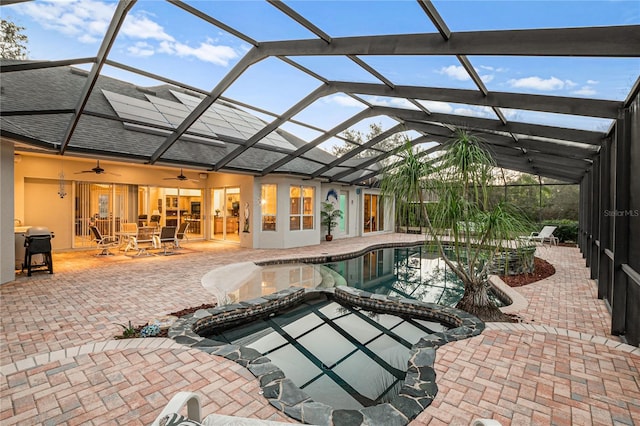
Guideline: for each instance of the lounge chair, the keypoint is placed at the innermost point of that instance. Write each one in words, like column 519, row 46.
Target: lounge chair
column 545, row 235
column 170, row 415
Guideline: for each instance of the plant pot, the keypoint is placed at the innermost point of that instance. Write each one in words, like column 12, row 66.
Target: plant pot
column 328, row 237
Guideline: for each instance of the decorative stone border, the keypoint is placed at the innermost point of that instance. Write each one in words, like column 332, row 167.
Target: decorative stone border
column 419, row 387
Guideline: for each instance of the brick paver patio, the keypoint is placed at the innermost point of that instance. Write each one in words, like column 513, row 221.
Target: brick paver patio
column 59, row 363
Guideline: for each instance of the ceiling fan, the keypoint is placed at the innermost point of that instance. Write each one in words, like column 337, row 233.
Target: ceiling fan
column 97, row 170
column 181, row 177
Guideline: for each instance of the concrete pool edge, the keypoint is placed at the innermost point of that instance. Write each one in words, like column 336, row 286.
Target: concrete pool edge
column 416, row 394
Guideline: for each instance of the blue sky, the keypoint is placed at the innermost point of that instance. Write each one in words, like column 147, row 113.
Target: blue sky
column 162, row 39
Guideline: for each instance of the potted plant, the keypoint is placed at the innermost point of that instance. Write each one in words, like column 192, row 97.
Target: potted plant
column 329, row 216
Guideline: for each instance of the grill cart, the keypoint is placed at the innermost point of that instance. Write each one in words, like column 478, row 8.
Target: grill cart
column 37, row 241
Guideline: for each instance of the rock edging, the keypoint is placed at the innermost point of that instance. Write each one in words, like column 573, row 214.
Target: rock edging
column 419, row 387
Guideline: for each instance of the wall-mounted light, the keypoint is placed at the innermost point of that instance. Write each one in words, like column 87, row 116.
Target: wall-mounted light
column 203, row 175
column 61, row 186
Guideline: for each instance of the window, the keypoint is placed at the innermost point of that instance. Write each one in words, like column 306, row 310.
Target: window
column 301, row 207
column 269, row 202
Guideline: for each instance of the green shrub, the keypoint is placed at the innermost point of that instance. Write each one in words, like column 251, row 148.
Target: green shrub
column 567, row 229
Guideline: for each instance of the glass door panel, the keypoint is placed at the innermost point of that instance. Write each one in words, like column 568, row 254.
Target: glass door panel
column 225, row 215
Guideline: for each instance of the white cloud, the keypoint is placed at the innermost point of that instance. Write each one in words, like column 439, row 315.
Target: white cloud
column 458, row 72
column 585, row 91
column 436, row 106
column 144, row 28
column 344, row 100
column 455, row 71
column 592, row 82
column 142, row 49
column 538, row 83
column 87, row 20
column 207, row 52
column 570, row 83
column 487, row 78
column 477, row 111
column 402, row 103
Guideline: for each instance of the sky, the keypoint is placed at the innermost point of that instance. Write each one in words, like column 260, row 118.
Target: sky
column 163, row 39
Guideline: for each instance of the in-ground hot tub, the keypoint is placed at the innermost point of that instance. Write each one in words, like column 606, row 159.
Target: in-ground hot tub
column 400, row 344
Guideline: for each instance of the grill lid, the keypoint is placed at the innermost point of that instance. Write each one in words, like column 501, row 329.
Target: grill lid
column 38, row 231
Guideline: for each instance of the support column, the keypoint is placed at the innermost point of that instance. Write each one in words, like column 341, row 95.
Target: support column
column 7, row 235
column 621, row 222
column 588, row 225
column 604, row 211
column 594, row 251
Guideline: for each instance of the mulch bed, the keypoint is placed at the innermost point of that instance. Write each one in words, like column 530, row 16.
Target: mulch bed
column 181, row 313
column 542, row 269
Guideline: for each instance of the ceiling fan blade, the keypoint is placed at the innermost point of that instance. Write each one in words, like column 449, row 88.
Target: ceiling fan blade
column 181, row 177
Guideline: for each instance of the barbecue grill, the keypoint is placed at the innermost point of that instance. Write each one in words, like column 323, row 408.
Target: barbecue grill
column 37, row 241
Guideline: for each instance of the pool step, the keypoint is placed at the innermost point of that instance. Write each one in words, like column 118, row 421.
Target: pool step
column 330, row 278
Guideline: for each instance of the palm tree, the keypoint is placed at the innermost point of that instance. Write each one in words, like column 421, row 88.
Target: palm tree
column 458, row 181
column 329, row 217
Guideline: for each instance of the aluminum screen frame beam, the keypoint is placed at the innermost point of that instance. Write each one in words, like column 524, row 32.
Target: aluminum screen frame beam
column 543, row 103
column 124, row 6
column 615, row 41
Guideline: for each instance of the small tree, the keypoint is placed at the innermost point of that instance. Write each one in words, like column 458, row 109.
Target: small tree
column 357, row 137
column 459, row 182
column 329, row 216
column 13, row 43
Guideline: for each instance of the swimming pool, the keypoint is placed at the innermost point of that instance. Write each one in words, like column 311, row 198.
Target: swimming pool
column 410, row 272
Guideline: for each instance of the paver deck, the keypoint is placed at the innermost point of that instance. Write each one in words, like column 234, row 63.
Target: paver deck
column 59, row 363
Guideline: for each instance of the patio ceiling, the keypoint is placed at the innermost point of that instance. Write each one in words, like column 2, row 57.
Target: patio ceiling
column 562, row 153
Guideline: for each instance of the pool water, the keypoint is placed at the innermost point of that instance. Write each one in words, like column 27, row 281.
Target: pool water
column 411, row 272
column 343, row 356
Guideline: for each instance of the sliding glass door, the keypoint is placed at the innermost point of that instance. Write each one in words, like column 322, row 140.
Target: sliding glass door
column 104, row 205
column 225, row 214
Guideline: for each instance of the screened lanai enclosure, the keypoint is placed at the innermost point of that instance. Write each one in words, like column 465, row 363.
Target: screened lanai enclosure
column 389, row 68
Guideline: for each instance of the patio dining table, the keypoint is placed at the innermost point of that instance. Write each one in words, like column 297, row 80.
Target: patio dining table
column 131, row 240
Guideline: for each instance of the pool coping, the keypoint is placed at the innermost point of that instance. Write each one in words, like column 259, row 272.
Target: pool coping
column 419, row 388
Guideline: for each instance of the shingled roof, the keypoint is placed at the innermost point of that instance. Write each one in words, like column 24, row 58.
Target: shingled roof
column 46, row 104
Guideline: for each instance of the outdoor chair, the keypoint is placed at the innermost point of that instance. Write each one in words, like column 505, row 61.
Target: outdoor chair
column 545, row 235
column 154, row 220
column 171, row 416
column 168, row 239
column 103, row 243
column 145, row 235
column 181, row 234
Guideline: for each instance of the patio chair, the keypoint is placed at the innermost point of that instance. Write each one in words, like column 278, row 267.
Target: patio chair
column 103, row 243
column 545, row 235
column 181, row 234
column 170, row 414
column 168, row 239
column 145, row 235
